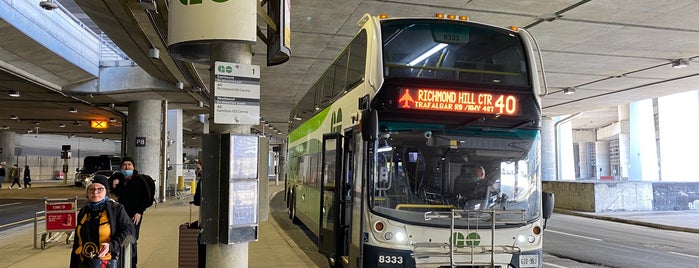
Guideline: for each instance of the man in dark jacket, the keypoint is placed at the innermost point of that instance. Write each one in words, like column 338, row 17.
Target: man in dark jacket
column 135, row 191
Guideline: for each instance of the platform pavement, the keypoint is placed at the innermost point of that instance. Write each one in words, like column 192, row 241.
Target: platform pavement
column 159, row 240
column 158, row 244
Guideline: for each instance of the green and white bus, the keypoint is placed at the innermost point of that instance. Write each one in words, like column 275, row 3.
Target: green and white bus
column 378, row 142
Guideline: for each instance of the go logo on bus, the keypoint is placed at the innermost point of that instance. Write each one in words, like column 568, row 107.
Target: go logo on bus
column 472, row 240
column 193, row 2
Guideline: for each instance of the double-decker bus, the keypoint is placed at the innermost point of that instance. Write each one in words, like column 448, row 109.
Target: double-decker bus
column 378, row 144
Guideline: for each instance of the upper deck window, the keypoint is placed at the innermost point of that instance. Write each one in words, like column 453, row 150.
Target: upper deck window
column 453, row 50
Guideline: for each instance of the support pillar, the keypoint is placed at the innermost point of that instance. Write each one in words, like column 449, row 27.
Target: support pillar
column 7, row 148
column 144, row 132
column 548, row 155
column 643, row 154
column 220, row 255
column 678, row 120
column 624, row 142
column 602, row 165
column 174, row 146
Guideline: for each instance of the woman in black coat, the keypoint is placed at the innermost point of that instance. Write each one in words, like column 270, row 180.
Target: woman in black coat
column 102, row 226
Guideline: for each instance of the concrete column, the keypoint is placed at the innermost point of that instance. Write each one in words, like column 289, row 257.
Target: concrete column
column 602, row 158
column 566, row 163
column 624, row 142
column 7, row 147
column 174, row 146
column 643, row 154
column 548, row 155
column 220, row 254
column 678, row 119
column 144, row 133
column 584, row 156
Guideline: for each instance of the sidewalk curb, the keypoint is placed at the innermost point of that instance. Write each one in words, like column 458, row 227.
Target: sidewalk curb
column 627, row 221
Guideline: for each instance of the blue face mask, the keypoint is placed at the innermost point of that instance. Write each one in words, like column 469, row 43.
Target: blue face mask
column 127, row 173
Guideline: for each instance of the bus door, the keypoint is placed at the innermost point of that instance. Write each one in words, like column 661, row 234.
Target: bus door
column 331, row 164
column 344, row 198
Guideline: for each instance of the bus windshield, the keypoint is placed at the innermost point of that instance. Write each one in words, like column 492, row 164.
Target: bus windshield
column 421, row 173
column 453, row 51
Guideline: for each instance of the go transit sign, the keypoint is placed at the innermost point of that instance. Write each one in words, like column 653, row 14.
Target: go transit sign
column 236, row 93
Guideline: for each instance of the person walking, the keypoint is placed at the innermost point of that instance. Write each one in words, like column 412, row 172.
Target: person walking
column 14, row 175
column 136, row 192
column 27, row 177
column 2, row 173
column 101, row 228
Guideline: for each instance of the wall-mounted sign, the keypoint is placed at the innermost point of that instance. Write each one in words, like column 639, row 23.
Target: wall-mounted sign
column 236, row 93
column 480, row 102
column 98, row 124
column 140, row 142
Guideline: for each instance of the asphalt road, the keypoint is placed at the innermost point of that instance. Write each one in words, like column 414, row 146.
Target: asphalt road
column 612, row 244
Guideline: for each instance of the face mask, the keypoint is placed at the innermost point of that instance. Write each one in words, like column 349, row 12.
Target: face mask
column 127, row 173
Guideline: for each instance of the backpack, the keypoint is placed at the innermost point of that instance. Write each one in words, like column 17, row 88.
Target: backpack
column 150, row 187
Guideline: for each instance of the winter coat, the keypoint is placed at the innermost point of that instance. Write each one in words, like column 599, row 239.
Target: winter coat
column 121, row 226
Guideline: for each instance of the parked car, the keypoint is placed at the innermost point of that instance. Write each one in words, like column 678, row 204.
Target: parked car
column 83, row 180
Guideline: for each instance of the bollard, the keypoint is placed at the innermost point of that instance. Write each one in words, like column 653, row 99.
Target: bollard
column 193, row 186
column 180, row 183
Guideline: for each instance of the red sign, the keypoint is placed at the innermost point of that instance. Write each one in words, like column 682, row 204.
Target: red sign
column 59, row 206
column 60, row 221
column 458, row 101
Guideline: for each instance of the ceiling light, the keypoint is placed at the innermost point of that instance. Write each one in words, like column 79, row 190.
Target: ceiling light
column 72, row 110
column 112, row 120
column 14, row 117
column 296, row 117
column 680, row 63
column 14, row 93
column 5, row 127
column 569, row 90
column 62, row 125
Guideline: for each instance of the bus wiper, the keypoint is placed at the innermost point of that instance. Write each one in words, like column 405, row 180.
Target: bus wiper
column 524, row 124
column 469, row 122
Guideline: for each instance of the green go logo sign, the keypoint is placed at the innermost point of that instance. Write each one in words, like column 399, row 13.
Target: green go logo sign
column 225, row 69
column 471, row 240
column 194, row 2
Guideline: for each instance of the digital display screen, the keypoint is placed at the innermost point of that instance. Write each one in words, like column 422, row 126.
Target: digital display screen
column 459, row 101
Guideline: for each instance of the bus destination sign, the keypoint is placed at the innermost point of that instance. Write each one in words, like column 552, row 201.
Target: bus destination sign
column 458, row 101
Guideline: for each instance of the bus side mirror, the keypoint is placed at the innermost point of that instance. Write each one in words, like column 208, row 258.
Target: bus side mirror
column 370, row 125
column 547, row 201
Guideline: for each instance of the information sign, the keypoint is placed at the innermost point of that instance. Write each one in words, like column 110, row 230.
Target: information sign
column 445, row 100
column 236, row 93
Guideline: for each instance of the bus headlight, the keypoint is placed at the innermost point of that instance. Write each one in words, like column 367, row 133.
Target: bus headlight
column 400, row 236
column 523, row 239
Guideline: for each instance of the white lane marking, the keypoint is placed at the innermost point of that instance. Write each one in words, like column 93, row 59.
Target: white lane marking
column 685, row 255
column 586, row 237
column 10, row 204
column 18, row 222
column 554, row 265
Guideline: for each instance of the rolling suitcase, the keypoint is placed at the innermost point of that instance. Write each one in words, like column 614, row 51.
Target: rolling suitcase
column 188, row 249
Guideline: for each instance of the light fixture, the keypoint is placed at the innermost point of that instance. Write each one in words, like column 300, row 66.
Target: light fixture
column 62, row 125
column 112, row 120
column 14, row 94
column 569, row 90
column 296, row 117
column 5, row 127
column 179, row 85
column 680, row 63
column 14, row 117
column 72, row 110
column 154, row 53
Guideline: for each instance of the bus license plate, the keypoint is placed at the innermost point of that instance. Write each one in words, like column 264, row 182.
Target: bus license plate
column 528, row 261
